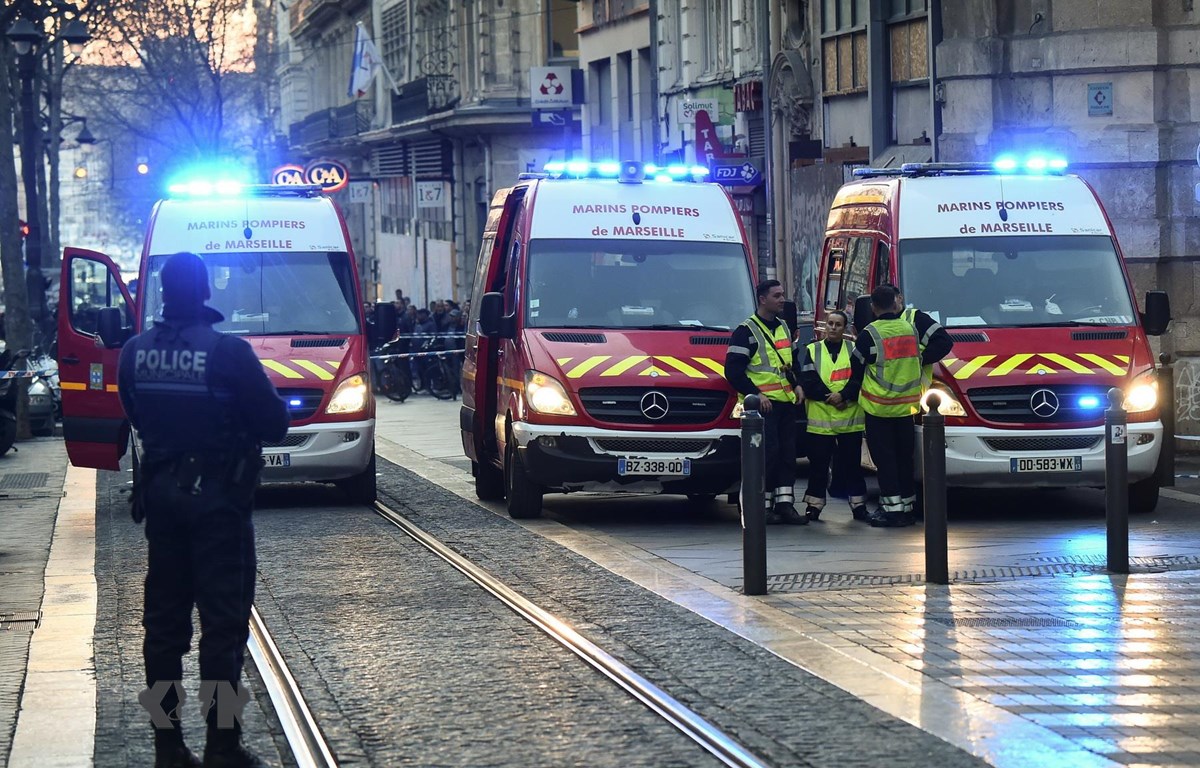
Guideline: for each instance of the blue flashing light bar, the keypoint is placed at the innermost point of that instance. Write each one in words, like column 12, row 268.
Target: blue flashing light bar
column 629, row 172
column 1036, row 163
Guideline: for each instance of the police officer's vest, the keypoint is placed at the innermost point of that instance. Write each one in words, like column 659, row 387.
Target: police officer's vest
column 823, row 418
column 910, row 314
column 773, row 353
column 178, row 409
column 892, row 384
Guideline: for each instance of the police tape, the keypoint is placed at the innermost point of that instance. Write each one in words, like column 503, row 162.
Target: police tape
column 419, row 354
column 26, row 374
column 430, row 336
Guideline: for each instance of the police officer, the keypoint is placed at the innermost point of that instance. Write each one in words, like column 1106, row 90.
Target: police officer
column 759, row 362
column 202, row 405
column 835, row 423
column 885, row 376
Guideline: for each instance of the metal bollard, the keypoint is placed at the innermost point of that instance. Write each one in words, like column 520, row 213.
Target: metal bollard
column 1166, row 412
column 1116, row 482
column 933, row 479
column 754, row 518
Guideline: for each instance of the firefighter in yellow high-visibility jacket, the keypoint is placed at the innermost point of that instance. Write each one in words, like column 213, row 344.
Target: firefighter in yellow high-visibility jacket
column 885, row 377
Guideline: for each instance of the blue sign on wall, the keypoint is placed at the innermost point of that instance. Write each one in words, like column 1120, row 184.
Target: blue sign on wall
column 737, row 171
column 1100, row 99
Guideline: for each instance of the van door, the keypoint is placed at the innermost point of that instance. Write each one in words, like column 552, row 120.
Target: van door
column 94, row 425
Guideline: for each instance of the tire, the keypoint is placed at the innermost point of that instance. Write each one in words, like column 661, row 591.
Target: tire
column 1143, row 496
column 489, row 481
column 524, row 497
column 395, row 382
column 360, row 488
column 440, row 385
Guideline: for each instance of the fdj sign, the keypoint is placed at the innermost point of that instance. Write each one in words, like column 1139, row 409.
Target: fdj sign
column 329, row 175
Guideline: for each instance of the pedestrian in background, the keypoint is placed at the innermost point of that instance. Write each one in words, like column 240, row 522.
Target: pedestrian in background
column 759, row 362
column 835, row 422
column 885, row 377
column 202, row 407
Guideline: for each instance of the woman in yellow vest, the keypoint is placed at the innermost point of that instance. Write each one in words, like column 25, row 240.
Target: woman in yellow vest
column 835, row 424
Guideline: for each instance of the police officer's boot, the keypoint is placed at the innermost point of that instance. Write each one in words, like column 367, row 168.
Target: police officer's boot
column 224, row 749
column 170, row 751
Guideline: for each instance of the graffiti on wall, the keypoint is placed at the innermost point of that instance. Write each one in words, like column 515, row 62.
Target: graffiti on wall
column 811, row 191
column 1187, row 396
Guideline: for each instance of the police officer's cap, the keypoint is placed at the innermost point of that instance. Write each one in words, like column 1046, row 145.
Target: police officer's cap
column 185, row 281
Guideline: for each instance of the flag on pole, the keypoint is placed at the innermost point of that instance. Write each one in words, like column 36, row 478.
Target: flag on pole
column 366, row 63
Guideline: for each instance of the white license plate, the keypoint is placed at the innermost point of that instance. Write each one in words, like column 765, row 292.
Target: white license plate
column 630, row 466
column 1046, row 464
column 278, row 459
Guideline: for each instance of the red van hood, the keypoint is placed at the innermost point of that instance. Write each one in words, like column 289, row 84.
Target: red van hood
column 614, row 357
column 309, row 365
column 1000, row 357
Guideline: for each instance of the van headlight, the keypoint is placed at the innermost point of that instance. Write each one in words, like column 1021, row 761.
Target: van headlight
column 350, row 396
column 545, row 395
column 1142, row 394
column 948, row 404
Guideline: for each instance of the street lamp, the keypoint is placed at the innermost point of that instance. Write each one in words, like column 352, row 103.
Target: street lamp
column 26, row 38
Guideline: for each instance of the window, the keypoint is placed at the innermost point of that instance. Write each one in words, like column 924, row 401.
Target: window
column 844, row 45
column 713, row 42
column 94, row 288
column 395, row 204
column 883, row 266
column 395, row 39
column 858, row 264
column 833, row 279
column 601, row 85
column 562, row 41
column 909, row 45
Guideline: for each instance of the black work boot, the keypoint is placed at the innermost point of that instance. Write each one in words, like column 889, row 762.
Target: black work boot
column 224, row 749
column 171, row 752
column 859, row 512
column 786, row 511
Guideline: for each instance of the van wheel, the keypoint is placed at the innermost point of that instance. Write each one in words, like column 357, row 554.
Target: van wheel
column 489, row 481
column 524, row 497
column 360, row 488
column 1143, row 496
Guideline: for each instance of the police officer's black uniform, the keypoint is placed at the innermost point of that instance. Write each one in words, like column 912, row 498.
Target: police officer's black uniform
column 202, row 405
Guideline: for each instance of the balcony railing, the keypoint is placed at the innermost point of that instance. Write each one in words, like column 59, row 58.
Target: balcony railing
column 331, row 124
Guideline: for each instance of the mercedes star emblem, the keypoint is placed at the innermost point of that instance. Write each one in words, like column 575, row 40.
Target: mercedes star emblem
column 654, row 405
column 1044, row 403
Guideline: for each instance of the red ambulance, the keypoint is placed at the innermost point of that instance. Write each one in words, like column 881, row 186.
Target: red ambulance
column 1019, row 261
column 284, row 276
column 602, row 308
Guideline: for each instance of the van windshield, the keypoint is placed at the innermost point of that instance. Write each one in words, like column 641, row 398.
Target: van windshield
column 272, row 293
column 1016, row 281
column 637, row 284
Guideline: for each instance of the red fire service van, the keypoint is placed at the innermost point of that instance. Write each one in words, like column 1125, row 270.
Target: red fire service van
column 1018, row 260
column 283, row 274
column 602, row 307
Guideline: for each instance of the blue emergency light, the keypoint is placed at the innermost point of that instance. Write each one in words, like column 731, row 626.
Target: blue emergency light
column 295, row 402
column 1036, row 163
column 629, row 172
column 1089, row 401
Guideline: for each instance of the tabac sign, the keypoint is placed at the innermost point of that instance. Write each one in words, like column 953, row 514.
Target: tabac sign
column 329, row 175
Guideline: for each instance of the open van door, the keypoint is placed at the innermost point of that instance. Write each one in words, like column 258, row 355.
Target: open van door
column 94, row 425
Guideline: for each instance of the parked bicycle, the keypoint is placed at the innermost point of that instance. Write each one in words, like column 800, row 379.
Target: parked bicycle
column 438, row 372
column 395, row 377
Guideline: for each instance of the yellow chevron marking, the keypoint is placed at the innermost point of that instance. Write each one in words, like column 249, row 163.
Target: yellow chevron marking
column 1105, row 363
column 974, row 364
column 654, row 370
column 563, row 361
column 1066, row 362
column 1041, row 368
column 314, row 369
column 711, row 364
column 1009, row 365
column 950, row 362
column 334, row 365
column 281, row 369
column 678, row 364
column 1122, row 358
column 625, row 365
column 586, row 366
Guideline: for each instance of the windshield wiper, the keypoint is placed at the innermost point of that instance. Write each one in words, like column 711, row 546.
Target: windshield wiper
column 677, row 327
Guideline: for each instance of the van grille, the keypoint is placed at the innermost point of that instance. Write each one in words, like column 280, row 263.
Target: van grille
column 640, row 445
column 302, row 403
column 289, row 441
column 716, row 341
column 968, row 338
column 317, row 342
column 1012, row 405
column 1098, row 335
column 1063, row 443
column 622, row 405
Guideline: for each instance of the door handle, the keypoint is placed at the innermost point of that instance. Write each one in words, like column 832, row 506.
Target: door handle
column 71, row 359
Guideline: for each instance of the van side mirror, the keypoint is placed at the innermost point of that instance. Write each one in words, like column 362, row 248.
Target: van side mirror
column 109, row 327
column 1157, row 316
column 863, row 314
column 385, row 321
column 492, row 321
column 790, row 315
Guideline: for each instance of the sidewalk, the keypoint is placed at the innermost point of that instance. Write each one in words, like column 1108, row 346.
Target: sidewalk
column 47, row 607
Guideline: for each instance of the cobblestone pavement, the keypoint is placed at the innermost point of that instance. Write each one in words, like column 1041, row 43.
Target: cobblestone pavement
column 1021, row 666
